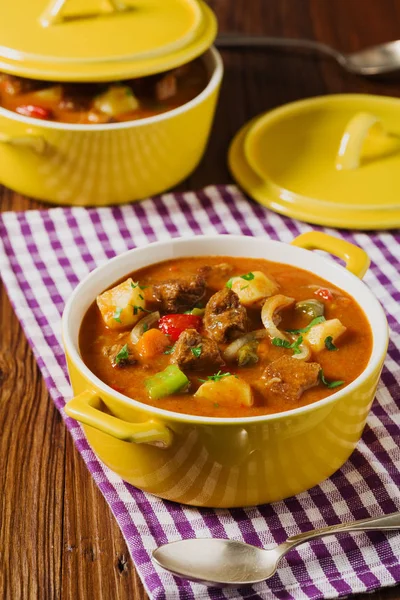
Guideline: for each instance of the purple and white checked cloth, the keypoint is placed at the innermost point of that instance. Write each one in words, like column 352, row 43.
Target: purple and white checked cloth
column 44, row 254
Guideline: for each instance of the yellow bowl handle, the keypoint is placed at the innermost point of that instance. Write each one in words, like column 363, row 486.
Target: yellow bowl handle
column 85, row 408
column 36, row 143
column 357, row 260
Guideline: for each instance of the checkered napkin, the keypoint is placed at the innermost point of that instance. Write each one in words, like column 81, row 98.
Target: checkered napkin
column 44, row 254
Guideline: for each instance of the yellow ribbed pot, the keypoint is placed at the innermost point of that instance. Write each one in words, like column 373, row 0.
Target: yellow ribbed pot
column 107, row 164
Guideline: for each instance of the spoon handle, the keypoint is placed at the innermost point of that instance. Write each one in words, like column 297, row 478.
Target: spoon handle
column 387, row 522
column 238, row 40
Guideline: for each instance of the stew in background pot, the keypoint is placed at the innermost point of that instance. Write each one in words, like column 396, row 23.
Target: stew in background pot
column 94, row 103
column 225, row 337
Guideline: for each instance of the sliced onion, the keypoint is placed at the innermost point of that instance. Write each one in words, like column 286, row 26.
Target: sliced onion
column 268, row 314
column 143, row 325
column 304, row 354
column 231, row 351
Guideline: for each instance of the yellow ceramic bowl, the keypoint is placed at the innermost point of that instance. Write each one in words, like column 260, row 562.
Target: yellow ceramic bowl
column 225, row 462
column 109, row 163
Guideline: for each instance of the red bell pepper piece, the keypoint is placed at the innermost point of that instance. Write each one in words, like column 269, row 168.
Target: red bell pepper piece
column 37, row 112
column 174, row 325
column 324, row 293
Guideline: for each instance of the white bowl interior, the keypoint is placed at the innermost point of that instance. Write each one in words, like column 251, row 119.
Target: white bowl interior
column 222, row 245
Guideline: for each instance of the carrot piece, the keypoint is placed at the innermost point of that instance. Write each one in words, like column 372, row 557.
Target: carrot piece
column 151, row 343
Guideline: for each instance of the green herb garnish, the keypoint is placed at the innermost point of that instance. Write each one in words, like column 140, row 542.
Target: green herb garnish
column 135, row 284
column 216, row 377
column 196, row 351
column 286, row 344
column 216, row 405
column 281, row 343
column 122, row 355
column 229, row 283
column 296, row 344
column 329, row 345
column 244, row 287
column 137, row 309
column 315, row 321
column 169, row 349
column 329, row 384
column 145, row 327
column 247, row 277
column 117, row 315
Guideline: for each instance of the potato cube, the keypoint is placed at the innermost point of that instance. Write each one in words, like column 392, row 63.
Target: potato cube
column 254, row 287
column 317, row 335
column 117, row 100
column 226, row 390
column 123, row 305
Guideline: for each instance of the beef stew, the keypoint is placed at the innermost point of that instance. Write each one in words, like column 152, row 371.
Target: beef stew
column 225, row 337
column 96, row 103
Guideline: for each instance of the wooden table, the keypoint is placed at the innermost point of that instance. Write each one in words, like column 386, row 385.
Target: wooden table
column 58, row 538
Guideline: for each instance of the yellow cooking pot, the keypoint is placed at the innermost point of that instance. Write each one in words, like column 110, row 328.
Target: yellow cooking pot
column 98, row 40
column 225, row 462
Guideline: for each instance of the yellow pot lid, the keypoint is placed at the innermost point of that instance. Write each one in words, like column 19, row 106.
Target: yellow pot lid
column 101, row 40
column 330, row 160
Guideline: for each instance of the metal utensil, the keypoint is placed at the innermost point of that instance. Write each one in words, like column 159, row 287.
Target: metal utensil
column 375, row 60
column 219, row 562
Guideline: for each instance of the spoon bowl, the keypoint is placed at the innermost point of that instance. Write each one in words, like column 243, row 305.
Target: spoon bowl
column 220, row 562
column 217, row 561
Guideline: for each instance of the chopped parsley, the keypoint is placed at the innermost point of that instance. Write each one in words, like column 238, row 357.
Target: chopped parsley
column 169, row 349
column 216, row 377
column 281, row 343
column 296, row 344
column 145, row 327
column 122, row 355
column 329, row 384
column 247, row 277
column 315, row 321
column 244, row 287
column 141, row 297
column 137, row 309
column 117, row 315
column 329, row 345
column 135, row 284
column 196, row 351
column 286, row 344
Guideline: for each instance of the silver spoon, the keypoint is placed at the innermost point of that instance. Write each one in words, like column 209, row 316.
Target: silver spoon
column 219, row 562
column 375, row 60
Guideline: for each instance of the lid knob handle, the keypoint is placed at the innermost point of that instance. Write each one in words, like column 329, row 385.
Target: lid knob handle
column 53, row 14
column 365, row 139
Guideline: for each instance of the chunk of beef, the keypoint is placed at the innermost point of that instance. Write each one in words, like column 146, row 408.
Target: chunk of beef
column 119, row 355
column 166, row 87
column 290, row 377
column 225, row 319
column 193, row 351
column 220, row 270
column 178, row 295
column 13, row 85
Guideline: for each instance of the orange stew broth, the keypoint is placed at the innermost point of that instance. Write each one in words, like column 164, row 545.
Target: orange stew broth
column 351, row 358
column 76, row 103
